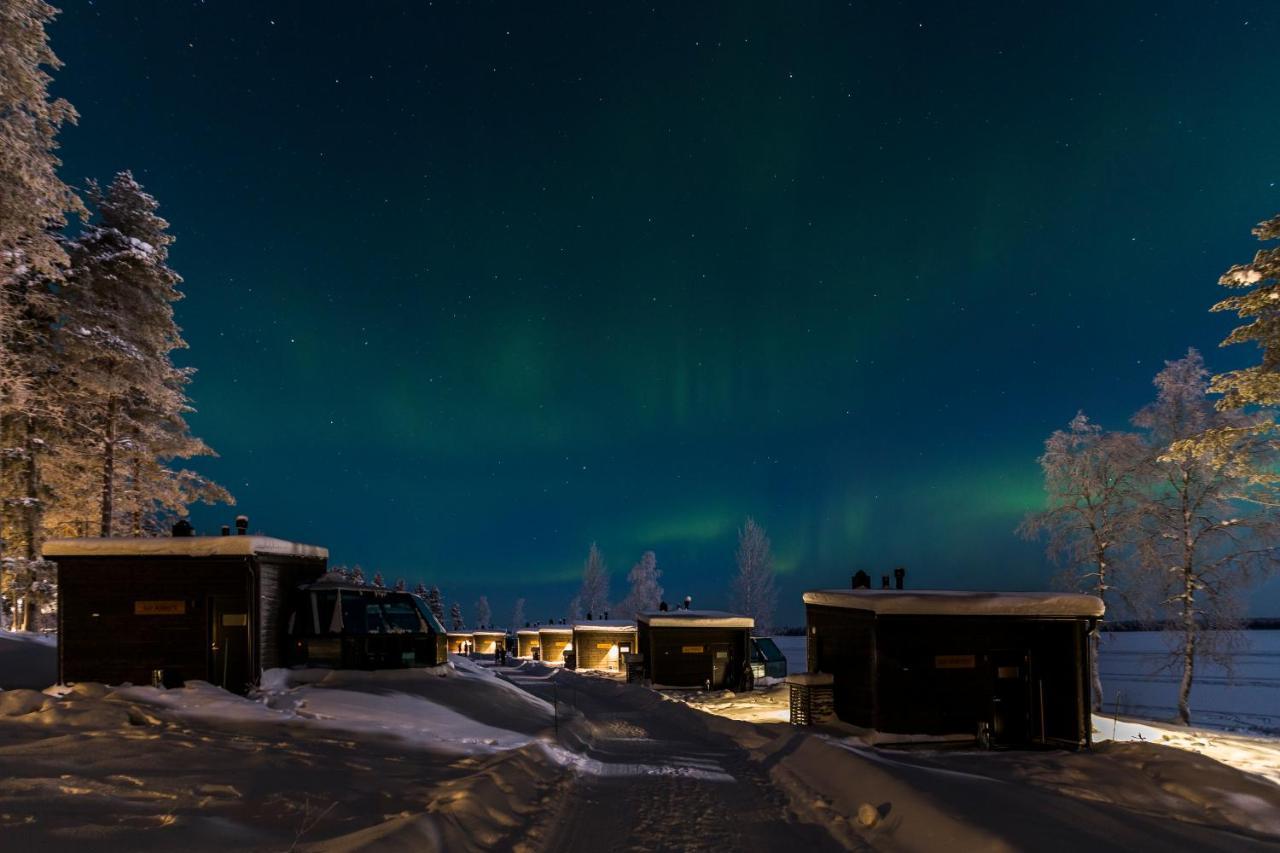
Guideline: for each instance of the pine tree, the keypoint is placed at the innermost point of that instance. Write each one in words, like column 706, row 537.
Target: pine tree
column 1093, row 480
column 455, row 617
column 1199, row 549
column 517, row 614
column 357, row 576
column 646, row 593
column 594, row 594
column 420, row 590
column 436, row 603
column 400, row 585
column 34, row 203
column 755, row 587
column 484, row 615
column 118, row 335
column 377, row 581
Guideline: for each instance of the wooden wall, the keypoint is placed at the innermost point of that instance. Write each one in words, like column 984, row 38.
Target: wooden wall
column 684, row 656
column 553, row 645
column 599, row 649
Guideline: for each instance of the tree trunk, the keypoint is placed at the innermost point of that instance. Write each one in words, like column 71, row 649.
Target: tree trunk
column 137, row 497
column 30, row 516
column 1188, row 663
column 109, row 469
column 1094, row 672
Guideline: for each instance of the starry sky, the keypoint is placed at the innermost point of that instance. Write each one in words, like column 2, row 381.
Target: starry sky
column 470, row 285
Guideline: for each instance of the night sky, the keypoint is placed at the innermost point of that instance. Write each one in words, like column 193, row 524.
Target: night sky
column 471, row 285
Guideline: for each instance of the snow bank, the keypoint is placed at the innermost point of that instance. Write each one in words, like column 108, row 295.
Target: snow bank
column 1258, row 755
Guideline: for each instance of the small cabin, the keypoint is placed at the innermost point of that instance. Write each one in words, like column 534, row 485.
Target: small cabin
column 552, row 642
column 487, row 642
column 600, row 644
column 461, row 642
column 999, row 668
column 695, row 648
column 336, row 623
column 183, row 608
column 527, row 643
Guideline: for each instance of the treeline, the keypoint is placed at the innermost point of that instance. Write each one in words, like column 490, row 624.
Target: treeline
column 92, row 407
column 1174, row 520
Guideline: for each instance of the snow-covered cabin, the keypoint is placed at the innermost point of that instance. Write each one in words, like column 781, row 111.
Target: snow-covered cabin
column 527, row 642
column 488, row 641
column 601, row 643
column 335, row 622
column 194, row 607
column 695, row 648
column 552, row 642
column 461, row 642
column 1009, row 668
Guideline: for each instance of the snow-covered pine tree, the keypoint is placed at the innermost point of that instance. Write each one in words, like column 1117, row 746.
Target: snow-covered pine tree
column 755, row 591
column 436, row 603
column 357, row 576
column 1093, row 480
column 1255, row 388
column 420, row 590
column 593, row 596
column 34, row 203
column 400, row 585
column 455, row 617
column 1199, row 548
column 517, row 614
column 645, row 593
column 484, row 616
column 378, row 582
column 118, row 335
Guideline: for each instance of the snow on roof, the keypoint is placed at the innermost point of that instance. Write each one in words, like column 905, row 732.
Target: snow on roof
column 604, row 625
column 527, row 631
column 556, row 629
column 948, row 602
column 490, row 632
column 695, row 618
column 181, row 546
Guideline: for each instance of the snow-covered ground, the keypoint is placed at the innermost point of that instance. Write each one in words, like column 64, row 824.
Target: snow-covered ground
column 1136, row 682
column 27, row 660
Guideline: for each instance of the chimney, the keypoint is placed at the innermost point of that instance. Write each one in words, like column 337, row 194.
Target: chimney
column 242, row 525
column 884, row 581
column 688, row 602
column 182, row 527
column 898, row 575
column 226, row 530
column 861, row 580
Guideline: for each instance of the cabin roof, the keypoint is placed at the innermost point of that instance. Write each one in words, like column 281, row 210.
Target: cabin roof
column 460, row 633
column 695, row 619
column 605, row 626
column 489, row 632
column 181, row 546
column 527, row 631
column 555, row 629
column 948, row 602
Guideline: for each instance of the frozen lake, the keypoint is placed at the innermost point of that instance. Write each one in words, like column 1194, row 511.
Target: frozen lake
column 1134, row 683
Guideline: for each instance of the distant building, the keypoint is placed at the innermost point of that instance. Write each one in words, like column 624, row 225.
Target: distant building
column 527, row 643
column 1004, row 668
column 461, row 642
column 188, row 607
column 601, row 643
column 488, row 642
column 552, row 641
column 695, row 648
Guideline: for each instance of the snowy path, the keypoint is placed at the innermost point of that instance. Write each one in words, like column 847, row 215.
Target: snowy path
column 655, row 777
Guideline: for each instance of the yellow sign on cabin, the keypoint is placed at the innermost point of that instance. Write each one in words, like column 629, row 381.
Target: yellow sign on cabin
column 604, row 645
column 159, row 608
column 954, row 662
column 693, row 650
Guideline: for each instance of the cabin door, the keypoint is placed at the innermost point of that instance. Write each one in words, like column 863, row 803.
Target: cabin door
column 229, row 644
column 719, row 664
column 624, row 649
column 1010, row 697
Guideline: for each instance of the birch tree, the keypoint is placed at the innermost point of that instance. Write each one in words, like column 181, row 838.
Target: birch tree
column 1093, row 480
column 593, row 596
column 1200, row 546
column 754, row 590
column 645, row 593
column 517, row 614
column 484, row 616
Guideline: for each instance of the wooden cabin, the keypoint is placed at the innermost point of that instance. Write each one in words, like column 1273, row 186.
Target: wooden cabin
column 527, row 643
column 334, row 622
column 552, row 641
column 996, row 667
column 181, row 608
column 601, row 643
column 695, row 648
column 487, row 642
column 461, row 642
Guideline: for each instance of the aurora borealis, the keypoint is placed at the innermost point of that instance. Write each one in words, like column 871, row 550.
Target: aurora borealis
column 472, row 285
